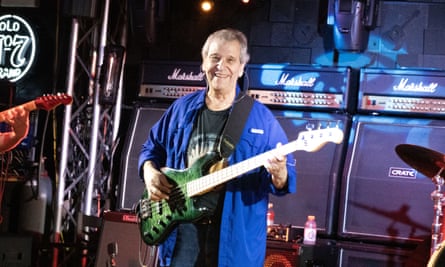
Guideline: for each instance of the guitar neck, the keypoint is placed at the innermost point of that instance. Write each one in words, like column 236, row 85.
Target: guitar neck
column 309, row 141
column 209, row 181
column 29, row 106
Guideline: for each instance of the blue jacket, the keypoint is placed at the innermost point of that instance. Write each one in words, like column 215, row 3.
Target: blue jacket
column 243, row 225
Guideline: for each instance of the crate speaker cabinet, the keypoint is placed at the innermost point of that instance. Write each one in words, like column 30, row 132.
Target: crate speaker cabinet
column 120, row 235
column 383, row 198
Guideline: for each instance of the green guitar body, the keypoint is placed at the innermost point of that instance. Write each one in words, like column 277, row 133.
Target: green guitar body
column 159, row 218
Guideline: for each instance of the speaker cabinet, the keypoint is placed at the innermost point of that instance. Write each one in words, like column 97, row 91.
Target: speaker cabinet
column 15, row 250
column 376, row 255
column 383, row 198
column 120, row 236
column 289, row 254
column 131, row 187
column 322, row 254
column 318, row 173
column 10, row 207
column 281, row 254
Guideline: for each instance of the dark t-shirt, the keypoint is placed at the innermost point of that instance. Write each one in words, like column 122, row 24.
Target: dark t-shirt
column 206, row 135
column 205, row 138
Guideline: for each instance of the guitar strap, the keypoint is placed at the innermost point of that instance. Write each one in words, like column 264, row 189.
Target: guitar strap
column 235, row 124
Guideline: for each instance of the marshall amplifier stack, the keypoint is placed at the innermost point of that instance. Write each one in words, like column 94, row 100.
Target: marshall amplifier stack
column 304, row 98
column 383, row 199
column 160, row 84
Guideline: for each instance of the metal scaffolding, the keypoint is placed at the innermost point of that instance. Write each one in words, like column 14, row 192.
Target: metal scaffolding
column 89, row 135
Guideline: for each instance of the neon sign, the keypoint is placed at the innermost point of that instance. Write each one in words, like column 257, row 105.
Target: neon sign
column 17, row 47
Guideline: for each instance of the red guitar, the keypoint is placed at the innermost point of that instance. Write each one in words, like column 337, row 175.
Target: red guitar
column 46, row 102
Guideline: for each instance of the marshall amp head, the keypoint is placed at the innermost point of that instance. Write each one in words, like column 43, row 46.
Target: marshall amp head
column 303, row 87
column 170, row 80
column 419, row 92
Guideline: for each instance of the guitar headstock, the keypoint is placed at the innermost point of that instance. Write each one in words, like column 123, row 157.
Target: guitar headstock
column 48, row 102
column 313, row 140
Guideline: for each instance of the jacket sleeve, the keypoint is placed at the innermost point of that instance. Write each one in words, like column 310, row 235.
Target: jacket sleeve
column 154, row 148
column 278, row 135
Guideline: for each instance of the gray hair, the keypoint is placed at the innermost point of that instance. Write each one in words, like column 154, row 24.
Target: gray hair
column 228, row 35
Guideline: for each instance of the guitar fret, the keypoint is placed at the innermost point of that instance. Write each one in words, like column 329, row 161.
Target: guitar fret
column 212, row 180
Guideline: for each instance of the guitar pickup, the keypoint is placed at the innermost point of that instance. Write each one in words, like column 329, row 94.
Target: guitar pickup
column 144, row 208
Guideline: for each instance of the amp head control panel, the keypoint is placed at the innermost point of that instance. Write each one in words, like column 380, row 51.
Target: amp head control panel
column 299, row 99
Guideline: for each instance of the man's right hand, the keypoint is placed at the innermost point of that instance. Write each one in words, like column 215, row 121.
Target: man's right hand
column 156, row 182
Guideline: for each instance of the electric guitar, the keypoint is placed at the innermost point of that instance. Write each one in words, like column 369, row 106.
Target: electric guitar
column 158, row 218
column 46, row 102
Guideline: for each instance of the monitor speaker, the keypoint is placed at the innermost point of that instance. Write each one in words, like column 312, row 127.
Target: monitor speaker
column 120, row 241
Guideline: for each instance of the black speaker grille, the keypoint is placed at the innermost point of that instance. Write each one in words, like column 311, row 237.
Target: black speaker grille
column 130, row 187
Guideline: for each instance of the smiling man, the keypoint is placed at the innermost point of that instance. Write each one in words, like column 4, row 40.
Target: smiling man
column 232, row 231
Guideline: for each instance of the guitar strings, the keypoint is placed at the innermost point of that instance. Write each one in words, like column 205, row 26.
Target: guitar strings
column 175, row 197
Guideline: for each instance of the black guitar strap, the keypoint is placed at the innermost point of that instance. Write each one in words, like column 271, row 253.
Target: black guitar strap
column 235, row 124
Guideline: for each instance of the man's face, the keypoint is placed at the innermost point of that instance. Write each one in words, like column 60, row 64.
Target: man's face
column 222, row 65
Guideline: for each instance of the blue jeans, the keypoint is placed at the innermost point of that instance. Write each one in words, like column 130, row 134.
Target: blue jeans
column 196, row 245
